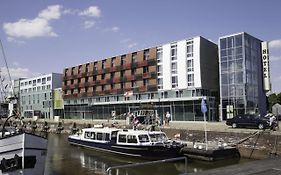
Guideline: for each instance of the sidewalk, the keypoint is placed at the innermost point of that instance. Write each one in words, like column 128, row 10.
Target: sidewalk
column 214, row 126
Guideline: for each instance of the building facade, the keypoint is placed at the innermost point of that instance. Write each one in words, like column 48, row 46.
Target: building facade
column 241, row 75
column 173, row 78
column 36, row 95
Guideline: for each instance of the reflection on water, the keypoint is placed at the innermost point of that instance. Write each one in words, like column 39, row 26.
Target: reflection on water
column 64, row 159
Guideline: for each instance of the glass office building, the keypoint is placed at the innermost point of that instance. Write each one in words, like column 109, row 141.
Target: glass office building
column 241, row 81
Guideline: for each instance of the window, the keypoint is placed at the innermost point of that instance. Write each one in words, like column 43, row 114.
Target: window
column 49, row 78
column 79, row 69
column 133, row 84
column 25, row 83
column 123, row 60
column 102, row 76
column 87, row 67
column 145, row 69
column 113, row 62
column 43, row 80
column 39, row 80
column 173, row 51
column 103, row 64
column 72, row 70
column 132, row 139
column 95, row 66
column 21, row 84
column 134, row 57
column 99, row 136
column 146, row 55
column 160, row 83
column 174, row 81
column 143, row 138
column 189, row 49
column 133, row 71
column 122, row 138
column 48, row 86
column 34, row 83
column 159, row 54
column 94, row 78
column 190, row 66
column 174, row 68
column 122, row 73
column 159, row 70
column 145, row 82
column 112, row 75
column 190, row 79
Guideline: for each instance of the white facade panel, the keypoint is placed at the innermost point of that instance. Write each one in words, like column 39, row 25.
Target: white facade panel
column 196, row 56
column 167, row 84
column 182, row 68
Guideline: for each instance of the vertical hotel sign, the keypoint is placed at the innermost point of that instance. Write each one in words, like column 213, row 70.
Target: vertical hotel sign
column 265, row 66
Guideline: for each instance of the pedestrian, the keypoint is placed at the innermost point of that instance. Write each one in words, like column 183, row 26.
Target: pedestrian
column 167, row 118
column 272, row 122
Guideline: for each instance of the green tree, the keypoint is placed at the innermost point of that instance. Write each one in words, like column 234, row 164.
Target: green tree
column 279, row 98
column 272, row 99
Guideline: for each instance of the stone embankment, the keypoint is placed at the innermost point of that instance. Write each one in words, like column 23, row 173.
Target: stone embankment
column 259, row 144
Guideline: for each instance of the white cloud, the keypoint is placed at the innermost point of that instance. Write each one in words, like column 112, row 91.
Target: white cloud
column 70, row 11
column 132, row 45
column 37, row 27
column 274, row 58
column 115, row 29
column 51, row 12
column 92, row 11
column 89, row 24
column 18, row 73
column 275, row 43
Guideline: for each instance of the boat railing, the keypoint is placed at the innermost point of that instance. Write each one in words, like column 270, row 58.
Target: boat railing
column 109, row 169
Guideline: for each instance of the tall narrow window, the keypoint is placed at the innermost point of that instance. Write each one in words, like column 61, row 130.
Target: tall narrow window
column 146, row 55
column 173, row 51
column 159, row 54
column 113, row 62
column 123, row 60
column 134, row 57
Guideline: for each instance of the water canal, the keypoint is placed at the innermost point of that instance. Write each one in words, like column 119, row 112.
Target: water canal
column 64, row 159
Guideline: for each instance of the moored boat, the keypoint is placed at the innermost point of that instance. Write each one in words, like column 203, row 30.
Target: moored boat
column 136, row 143
column 22, row 153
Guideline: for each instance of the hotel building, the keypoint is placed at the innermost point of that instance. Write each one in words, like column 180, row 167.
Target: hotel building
column 36, row 95
column 173, row 78
column 242, row 88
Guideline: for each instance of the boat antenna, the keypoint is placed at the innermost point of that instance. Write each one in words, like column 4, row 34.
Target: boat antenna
column 7, row 67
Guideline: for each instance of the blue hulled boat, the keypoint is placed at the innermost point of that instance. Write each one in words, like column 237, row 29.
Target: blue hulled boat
column 136, row 143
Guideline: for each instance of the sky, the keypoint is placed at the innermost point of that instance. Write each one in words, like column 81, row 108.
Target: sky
column 40, row 37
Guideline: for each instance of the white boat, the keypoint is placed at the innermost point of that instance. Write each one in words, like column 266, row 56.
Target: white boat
column 136, row 143
column 22, row 153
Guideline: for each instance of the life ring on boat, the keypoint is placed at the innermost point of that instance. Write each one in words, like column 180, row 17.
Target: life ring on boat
column 17, row 161
column 4, row 165
column 88, row 134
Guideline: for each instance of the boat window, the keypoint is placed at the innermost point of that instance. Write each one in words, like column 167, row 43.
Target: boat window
column 106, row 137
column 87, row 135
column 132, row 139
column 143, row 138
column 122, row 138
column 157, row 137
column 93, row 136
column 99, row 136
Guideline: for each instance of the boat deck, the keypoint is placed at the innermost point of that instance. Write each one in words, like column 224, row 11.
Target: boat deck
column 270, row 166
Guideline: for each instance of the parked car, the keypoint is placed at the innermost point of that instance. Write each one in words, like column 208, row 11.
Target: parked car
column 248, row 120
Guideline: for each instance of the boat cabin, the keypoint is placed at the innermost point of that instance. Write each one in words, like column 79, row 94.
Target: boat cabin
column 123, row 137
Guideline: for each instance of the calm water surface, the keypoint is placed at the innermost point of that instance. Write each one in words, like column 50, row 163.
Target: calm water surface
column 64, row 159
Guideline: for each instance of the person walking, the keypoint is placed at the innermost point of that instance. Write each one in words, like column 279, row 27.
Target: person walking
column 167, row 118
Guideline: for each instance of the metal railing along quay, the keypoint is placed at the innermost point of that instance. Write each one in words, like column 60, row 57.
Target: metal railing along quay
column 109, row 169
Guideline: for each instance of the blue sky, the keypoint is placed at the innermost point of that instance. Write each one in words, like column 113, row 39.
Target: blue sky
column 40, row 37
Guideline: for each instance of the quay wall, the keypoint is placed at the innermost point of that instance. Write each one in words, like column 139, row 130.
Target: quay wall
column 263, row 145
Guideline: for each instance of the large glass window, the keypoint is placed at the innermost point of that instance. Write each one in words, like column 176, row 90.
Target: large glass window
column 223, row 43
column 190, row 79
column 190, row 65
column 174, row 52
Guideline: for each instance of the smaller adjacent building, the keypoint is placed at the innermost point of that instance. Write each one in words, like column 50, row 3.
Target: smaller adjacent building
column 36, row 95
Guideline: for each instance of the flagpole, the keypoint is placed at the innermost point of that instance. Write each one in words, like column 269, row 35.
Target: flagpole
column 205, row 128
column 204, row 110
